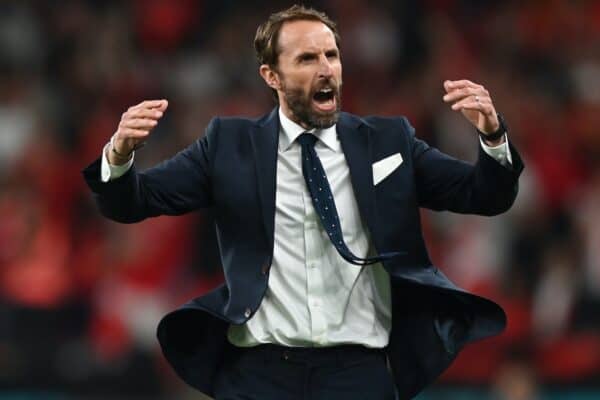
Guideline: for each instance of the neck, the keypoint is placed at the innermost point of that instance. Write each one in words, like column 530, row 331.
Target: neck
column 288, row 113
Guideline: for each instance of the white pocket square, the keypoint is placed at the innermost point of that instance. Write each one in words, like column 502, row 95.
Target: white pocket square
column 386, row 166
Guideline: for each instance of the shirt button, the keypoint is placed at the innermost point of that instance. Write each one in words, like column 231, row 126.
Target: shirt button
column 247, row 312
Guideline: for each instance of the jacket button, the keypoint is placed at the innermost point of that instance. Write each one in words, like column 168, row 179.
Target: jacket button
column 265, row 268
column 247, row 312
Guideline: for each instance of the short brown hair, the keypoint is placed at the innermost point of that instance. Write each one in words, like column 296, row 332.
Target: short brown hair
column 267, row 34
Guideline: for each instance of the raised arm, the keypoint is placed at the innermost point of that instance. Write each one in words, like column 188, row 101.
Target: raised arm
column 490, row 186
column 173, row 187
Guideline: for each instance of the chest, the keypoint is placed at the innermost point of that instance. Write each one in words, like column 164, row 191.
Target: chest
column 293, row 203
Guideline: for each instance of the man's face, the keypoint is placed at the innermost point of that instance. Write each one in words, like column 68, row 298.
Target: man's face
column 309, row 74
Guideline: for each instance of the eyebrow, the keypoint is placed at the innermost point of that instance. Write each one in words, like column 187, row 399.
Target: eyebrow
column 306, row 54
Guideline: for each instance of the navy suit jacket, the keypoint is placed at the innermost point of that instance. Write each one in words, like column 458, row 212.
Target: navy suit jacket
column 232, row 169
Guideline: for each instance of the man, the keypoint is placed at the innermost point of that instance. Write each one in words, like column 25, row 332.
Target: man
column 329, row 291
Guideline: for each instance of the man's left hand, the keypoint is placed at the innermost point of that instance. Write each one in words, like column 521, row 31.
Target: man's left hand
column 474, row 102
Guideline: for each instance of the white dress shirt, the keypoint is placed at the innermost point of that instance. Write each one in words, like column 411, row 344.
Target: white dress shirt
column 314, row 297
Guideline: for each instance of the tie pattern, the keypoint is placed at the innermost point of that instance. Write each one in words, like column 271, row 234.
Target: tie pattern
column 324, row 204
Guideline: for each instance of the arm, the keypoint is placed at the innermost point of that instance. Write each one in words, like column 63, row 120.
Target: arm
column 490, row 186
column 173, row 187
column 445, row 183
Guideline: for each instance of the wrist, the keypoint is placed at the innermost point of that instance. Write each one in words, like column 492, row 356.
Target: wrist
column 119, row 154
column 495, row 138
column 493, row 143
column 115, row 158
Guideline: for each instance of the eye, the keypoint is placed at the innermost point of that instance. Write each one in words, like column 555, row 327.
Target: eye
column 307, row 57
column 332, row 54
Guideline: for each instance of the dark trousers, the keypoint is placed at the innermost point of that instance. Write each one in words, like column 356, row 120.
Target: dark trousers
column 270, row 372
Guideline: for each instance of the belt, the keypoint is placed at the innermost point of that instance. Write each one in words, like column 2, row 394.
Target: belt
column 346, row 354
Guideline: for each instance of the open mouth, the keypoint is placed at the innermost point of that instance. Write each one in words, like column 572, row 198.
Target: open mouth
column 324, row 99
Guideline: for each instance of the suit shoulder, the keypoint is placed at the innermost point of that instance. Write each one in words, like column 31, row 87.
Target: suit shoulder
column 234, row 124
column 398, row 124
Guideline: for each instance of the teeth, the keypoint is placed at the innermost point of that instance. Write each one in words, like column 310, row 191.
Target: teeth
column 327, row 90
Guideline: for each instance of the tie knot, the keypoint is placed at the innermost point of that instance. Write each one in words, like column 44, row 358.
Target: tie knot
column 307, row 139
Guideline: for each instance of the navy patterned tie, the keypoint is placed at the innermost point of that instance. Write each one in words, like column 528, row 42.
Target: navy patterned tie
column 322, row 198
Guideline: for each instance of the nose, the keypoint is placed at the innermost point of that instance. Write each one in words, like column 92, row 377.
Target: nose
column 325, row 67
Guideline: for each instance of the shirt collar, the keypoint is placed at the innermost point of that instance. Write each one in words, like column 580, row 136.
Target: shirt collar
column 291, row 130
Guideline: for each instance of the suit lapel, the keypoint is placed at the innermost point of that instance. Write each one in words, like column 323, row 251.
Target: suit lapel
column 264, row 137
column 355, row 138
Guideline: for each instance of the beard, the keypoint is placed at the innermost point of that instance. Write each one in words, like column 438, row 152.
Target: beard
column 300, row 104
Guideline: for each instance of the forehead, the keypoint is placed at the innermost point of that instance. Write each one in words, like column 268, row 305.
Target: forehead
column 302, row 35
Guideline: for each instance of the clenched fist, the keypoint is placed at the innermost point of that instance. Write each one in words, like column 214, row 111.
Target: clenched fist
column 135, row 125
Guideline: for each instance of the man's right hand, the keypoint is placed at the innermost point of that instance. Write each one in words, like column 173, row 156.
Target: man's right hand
column 136, row 124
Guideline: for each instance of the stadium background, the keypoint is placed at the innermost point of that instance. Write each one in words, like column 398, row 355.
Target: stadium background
column 80, row 296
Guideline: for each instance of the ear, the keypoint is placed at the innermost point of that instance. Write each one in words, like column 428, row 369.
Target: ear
column 270, row 76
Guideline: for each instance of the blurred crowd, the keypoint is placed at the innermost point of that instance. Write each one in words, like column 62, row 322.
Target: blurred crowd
column 80, row 296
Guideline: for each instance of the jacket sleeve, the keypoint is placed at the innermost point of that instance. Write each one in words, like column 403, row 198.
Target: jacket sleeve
column 173, row 187
column 445, row 183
